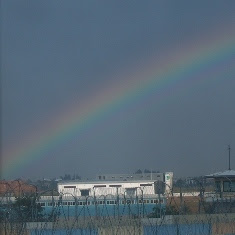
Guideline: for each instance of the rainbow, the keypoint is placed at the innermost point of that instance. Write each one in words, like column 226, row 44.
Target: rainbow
column 174, row 68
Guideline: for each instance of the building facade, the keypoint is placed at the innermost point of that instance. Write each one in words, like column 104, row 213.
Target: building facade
column 120, row 184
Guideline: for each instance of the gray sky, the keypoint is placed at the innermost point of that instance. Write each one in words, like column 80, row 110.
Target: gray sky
column 58, row 54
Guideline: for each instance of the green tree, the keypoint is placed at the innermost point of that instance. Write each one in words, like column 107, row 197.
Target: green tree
column 26, row 209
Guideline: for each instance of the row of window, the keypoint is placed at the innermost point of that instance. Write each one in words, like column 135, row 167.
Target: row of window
column 101, row 202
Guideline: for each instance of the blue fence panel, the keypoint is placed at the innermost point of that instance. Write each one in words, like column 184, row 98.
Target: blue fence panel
column 179, row 229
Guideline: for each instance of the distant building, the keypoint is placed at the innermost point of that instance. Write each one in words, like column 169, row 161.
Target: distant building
column 15, row 188
column 222, row 200
column 115, row 184
column 225, row 182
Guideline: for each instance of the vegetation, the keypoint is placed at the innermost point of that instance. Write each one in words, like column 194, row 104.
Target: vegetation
column 26, row 209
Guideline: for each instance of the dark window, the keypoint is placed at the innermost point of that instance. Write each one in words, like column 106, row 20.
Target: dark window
column 99, row 186
column 145, row 184
column 229, row 186
column 130, row 191
column 217, row 186
column 85, row 192
column 99, row 177
column 115, row 185
column 69, row 186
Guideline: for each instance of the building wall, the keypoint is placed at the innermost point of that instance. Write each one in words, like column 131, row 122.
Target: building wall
column 107, row 188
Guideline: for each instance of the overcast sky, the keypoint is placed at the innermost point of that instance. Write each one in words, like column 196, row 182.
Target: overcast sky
column 55, row 55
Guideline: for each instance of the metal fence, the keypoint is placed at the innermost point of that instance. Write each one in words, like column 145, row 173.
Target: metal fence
column 193, row 212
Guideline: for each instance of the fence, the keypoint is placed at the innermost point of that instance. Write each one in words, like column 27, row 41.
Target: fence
column 201, row 213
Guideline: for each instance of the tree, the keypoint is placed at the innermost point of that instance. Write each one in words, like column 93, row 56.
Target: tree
column 138, row 172
column 26, row 209
column 147, row 171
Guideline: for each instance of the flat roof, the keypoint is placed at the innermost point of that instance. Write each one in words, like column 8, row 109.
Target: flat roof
column 227, row 173
column 106, row 182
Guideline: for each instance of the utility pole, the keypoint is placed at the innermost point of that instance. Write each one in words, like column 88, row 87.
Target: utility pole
column 229, row 168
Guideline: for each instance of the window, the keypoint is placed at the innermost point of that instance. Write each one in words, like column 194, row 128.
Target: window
column 229, row 186
column 115, row 185
column 99, row 186
column 51, row 204
column 99, row 177
column 145, row 184
column 130, row 191
column 217, row 186
column 69, row 186
column 85, row 192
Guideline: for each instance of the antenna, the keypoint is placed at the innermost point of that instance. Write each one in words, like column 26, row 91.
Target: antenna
column 229, row 168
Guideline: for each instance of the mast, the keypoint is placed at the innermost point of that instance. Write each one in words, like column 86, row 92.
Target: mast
column 229, row 168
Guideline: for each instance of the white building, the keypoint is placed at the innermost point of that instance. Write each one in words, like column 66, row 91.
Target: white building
column 125, row 188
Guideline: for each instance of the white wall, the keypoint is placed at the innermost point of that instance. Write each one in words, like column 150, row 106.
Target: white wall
column 99, row 191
